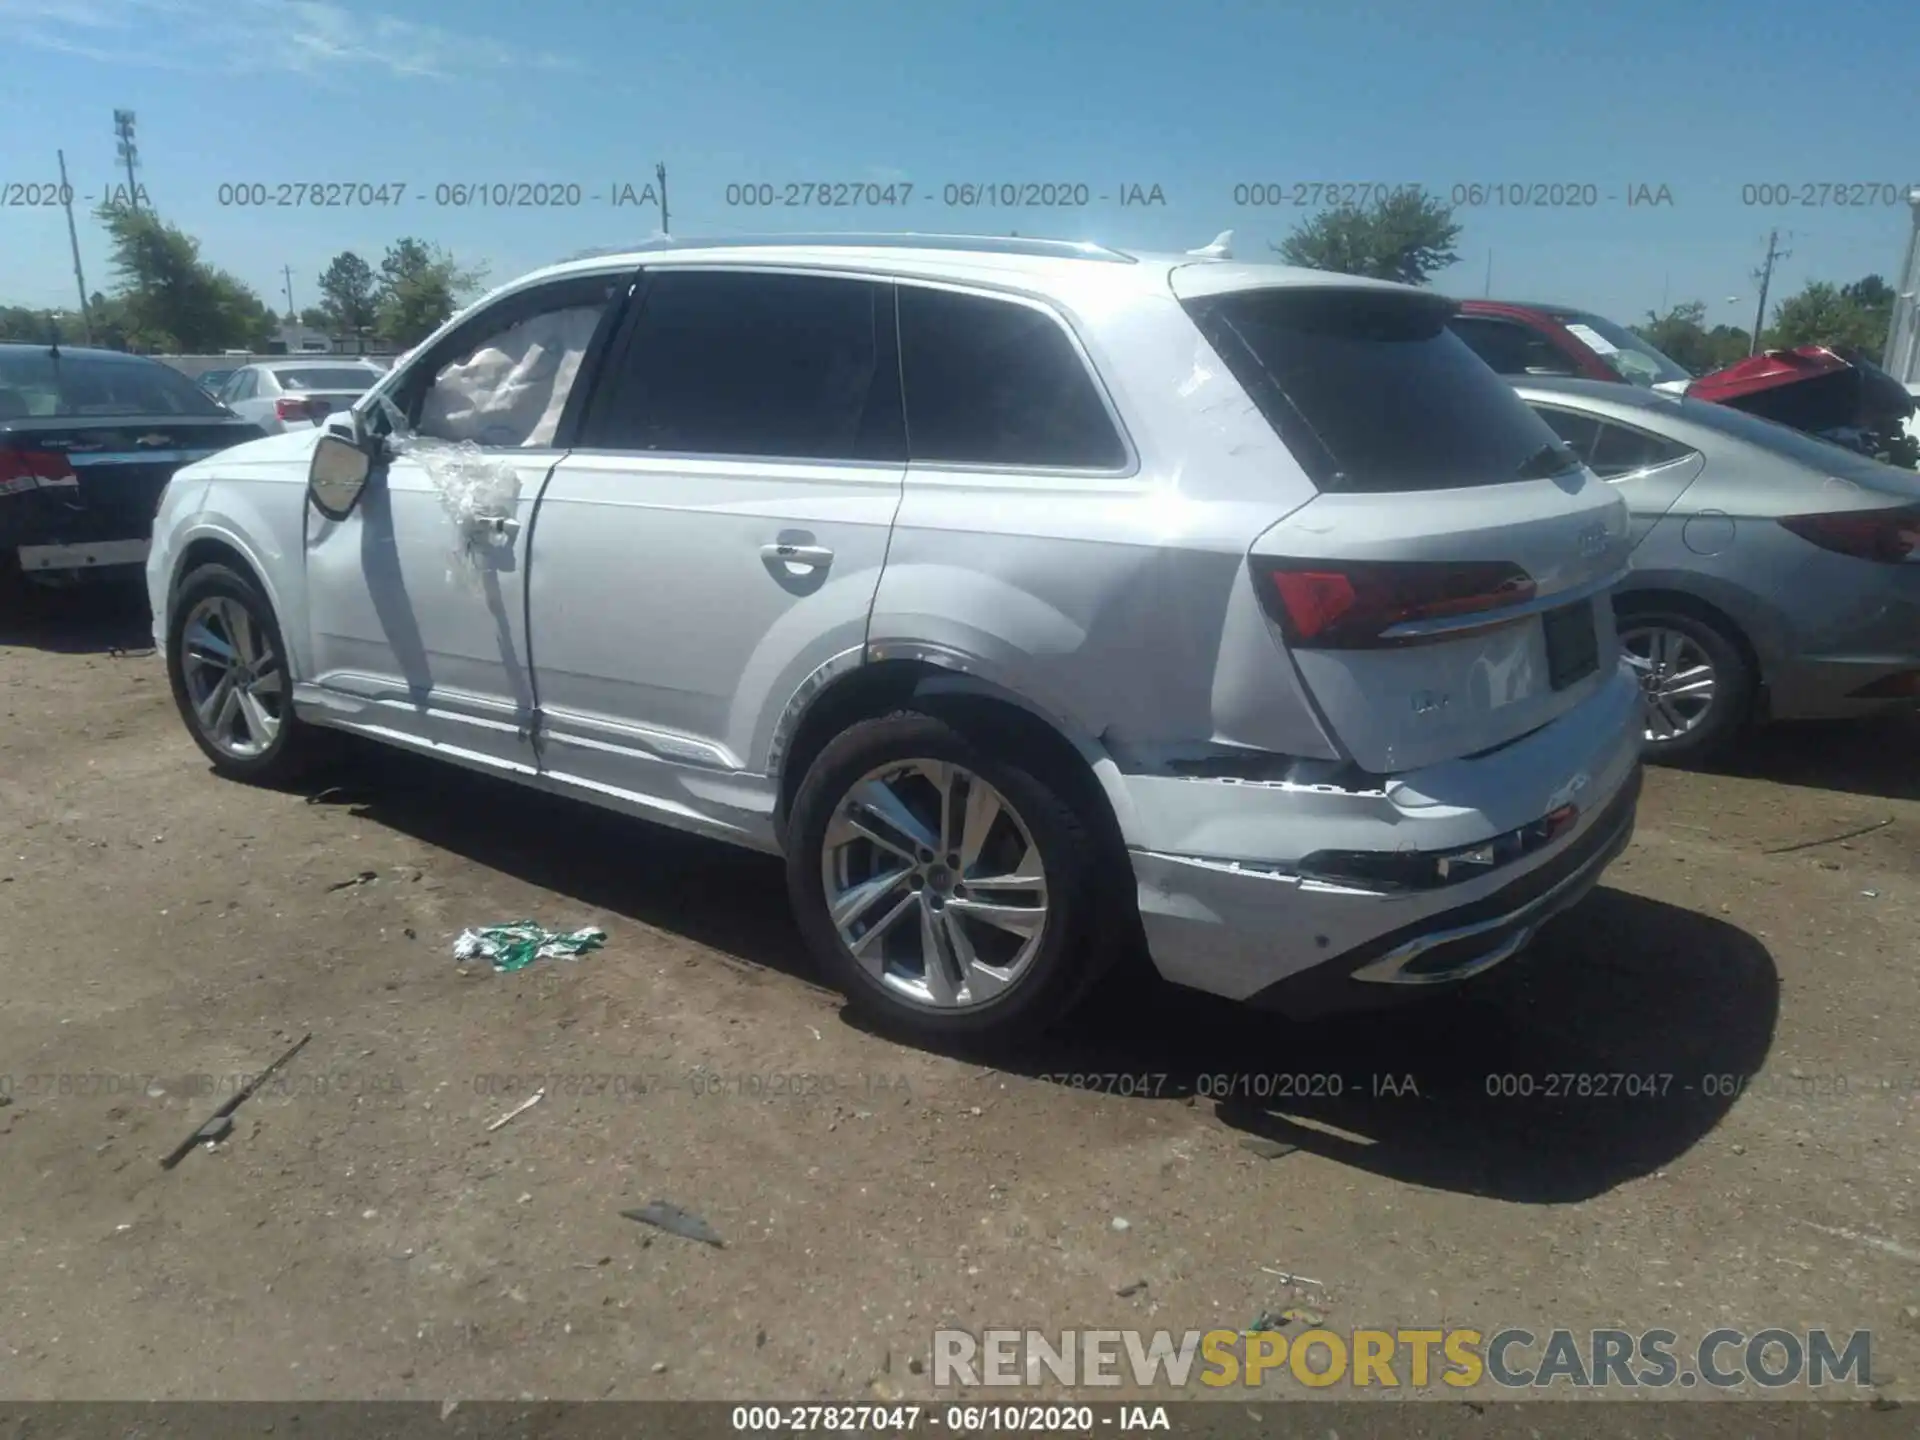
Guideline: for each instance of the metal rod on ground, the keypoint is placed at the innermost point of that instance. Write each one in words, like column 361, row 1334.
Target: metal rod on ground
column 209, row 1127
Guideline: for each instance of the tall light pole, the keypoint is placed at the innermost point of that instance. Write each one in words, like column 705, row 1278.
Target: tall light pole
column 129, row 152
column 660, row 170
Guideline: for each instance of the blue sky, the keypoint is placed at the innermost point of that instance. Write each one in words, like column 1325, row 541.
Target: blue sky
column 1701, row 97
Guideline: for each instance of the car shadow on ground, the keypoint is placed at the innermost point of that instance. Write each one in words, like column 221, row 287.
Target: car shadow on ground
column 99, row 616
column 1878, row 757
column 1602, row 1054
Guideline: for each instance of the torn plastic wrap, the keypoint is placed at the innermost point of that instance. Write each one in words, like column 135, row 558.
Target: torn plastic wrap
column 512, row 389
column 506, row 395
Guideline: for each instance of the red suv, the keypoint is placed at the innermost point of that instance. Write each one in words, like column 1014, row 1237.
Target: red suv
column 1554, row 340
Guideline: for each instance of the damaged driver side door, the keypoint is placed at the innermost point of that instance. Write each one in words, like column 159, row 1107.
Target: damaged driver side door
column 417, row 597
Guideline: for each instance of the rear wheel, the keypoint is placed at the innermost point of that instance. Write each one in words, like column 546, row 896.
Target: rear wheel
column 230, row 679
column 945, row 889
column 1696, row 679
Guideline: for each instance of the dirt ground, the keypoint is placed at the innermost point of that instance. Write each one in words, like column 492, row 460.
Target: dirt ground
column 363, row 1233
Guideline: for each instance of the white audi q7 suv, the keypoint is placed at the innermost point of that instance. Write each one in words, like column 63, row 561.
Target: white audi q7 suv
column 1033, row 599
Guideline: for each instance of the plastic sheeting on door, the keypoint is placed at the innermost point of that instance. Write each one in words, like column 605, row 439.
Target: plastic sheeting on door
column 508, row 394
column 512, row 389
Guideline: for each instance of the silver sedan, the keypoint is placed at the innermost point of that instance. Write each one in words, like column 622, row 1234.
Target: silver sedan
column 1775, row 576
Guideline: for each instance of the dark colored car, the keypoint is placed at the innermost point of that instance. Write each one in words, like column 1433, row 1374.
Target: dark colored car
column 1840, row 396
column 88, row 440
column 1844, row 398
column 1548, row 340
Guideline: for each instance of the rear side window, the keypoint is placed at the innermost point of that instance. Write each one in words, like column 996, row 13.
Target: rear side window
column 1611, row 450
column 736, row 363
column 990, row 382
column 1373, row 391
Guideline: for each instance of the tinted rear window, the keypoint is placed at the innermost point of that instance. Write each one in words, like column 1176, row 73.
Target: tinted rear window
column 990, row 382
column 342, row 377
column 1374, row 391
column 37, row 382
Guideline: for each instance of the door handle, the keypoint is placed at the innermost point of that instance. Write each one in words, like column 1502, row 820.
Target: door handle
column 814, row 556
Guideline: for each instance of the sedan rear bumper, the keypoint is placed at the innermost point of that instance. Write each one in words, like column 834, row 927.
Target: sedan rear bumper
column 95, row 555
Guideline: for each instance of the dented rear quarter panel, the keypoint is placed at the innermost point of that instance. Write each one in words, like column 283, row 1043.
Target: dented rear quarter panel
column 1117, row 605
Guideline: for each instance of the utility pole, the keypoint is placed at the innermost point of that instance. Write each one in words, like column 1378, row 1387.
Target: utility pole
column 1487, row 293
column 287, row 272
column 129, row 152
column 1903, row 335
column 73, row 239
column 1765, row 276
column 660, row 172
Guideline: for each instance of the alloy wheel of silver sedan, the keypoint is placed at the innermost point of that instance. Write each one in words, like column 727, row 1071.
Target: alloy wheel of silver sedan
column 235, row 683
column 1676, row 675
column 935, row 884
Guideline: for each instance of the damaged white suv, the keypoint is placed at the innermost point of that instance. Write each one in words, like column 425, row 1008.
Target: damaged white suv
column 1032, row 599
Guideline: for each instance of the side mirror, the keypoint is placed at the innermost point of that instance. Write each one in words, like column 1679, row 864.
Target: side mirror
column 337, row 475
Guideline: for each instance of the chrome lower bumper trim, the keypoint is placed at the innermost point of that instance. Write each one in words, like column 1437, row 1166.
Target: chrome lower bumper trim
column 1524, row 922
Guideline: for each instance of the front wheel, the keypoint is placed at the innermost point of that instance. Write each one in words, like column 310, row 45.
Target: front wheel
column 946, row 890
column 230, row 680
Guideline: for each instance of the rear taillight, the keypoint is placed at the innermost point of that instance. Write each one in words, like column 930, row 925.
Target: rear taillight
column 1888, row 536
column 34, row 469
column 1350, row 605
column 284, row 409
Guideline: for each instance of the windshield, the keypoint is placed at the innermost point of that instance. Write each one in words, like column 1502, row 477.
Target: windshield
column 1624, row 352
column 35, row 383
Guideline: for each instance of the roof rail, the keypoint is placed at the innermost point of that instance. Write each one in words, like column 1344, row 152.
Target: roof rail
column 992, row 244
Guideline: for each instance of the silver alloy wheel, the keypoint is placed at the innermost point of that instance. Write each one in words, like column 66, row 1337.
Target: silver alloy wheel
column 934, row 883
column 1676, row 675
column 235, row 683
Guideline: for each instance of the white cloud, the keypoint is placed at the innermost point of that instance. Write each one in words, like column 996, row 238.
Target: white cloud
column 304, row 37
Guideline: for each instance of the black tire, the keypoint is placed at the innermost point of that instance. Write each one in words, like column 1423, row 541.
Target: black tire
column 1735, row 685
column 290, row 750
column 1059, row 973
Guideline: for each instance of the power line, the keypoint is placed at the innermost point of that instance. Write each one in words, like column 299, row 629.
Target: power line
column 73, row 238
column 1765, row 276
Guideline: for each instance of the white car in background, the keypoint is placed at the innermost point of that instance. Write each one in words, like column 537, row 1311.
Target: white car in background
column 282, row 395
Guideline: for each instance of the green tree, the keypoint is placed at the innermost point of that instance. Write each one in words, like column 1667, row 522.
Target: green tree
column 1826, row 314
column 1682, row 334
column 421, row 286
column 171, row 299
column 1407, row 236
column 316, row 318
column 349, row 294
